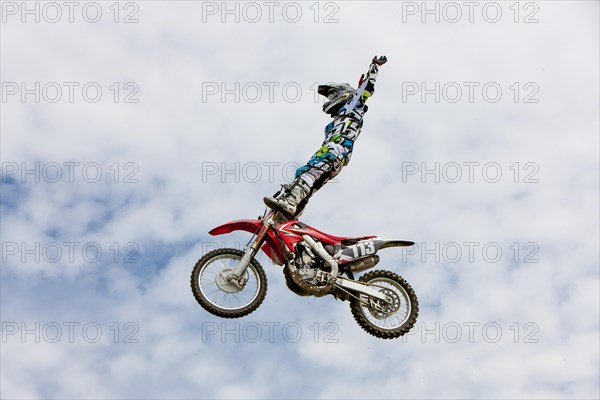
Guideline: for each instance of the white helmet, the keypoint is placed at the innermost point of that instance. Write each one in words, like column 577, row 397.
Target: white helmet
column 337, row 95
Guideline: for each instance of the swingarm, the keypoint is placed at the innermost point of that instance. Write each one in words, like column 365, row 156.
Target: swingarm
column 361, row 288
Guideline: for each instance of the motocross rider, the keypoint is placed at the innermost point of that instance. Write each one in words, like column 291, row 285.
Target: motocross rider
column 346, row 106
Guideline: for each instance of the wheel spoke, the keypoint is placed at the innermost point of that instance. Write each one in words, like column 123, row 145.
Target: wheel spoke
column 394, row 314
column 213, row 270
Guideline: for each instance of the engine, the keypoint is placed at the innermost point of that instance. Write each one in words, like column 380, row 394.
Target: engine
column 310, row 272
column 305, row 258
column 305, row 275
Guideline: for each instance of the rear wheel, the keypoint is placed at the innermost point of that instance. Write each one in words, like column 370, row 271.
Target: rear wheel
column 221, row 297
column 386, row 320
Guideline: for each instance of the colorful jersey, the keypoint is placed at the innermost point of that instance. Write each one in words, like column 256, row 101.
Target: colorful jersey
column 342, row 132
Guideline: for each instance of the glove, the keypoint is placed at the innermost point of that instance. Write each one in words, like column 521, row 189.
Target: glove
column 379, row 60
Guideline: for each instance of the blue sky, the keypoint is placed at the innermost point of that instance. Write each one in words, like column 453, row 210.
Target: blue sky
column 481, row 144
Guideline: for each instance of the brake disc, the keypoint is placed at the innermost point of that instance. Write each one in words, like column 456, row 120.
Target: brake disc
column 385, row 309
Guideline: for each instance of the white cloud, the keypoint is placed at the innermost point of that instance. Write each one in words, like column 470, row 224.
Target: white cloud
column 173, row 137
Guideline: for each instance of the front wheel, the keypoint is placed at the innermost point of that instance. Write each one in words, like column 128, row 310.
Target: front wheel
column 220, row 297
column 381, row 319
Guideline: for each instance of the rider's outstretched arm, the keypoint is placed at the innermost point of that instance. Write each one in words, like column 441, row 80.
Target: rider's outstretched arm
column 366, row 84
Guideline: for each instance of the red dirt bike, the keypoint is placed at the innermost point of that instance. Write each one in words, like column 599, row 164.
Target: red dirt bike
column 231, row 283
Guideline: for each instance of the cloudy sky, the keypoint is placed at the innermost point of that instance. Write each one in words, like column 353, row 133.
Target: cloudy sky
column 130, row 129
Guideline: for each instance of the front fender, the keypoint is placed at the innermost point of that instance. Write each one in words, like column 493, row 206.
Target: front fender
column 248, row 225
column 271, row 247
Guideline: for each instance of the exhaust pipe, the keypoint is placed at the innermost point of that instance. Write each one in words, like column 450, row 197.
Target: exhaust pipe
column 320, row 250
column 363, row 264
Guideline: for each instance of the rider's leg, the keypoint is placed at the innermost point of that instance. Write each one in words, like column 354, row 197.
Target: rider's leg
column 309, row 179
column 319, row 181
column 298, row 191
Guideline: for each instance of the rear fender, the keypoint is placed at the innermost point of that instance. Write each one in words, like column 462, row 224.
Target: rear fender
column 271, row 246
column 395, row 243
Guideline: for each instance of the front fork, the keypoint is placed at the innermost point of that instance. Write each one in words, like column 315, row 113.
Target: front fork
column 236, row 276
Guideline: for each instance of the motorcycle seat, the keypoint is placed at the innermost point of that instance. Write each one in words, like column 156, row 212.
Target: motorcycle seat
column 333, row 239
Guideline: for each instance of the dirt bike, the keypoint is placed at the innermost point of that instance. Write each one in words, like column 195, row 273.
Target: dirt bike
column 231, row 283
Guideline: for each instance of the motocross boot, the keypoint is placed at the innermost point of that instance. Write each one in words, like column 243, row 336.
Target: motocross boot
column 288, row 203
